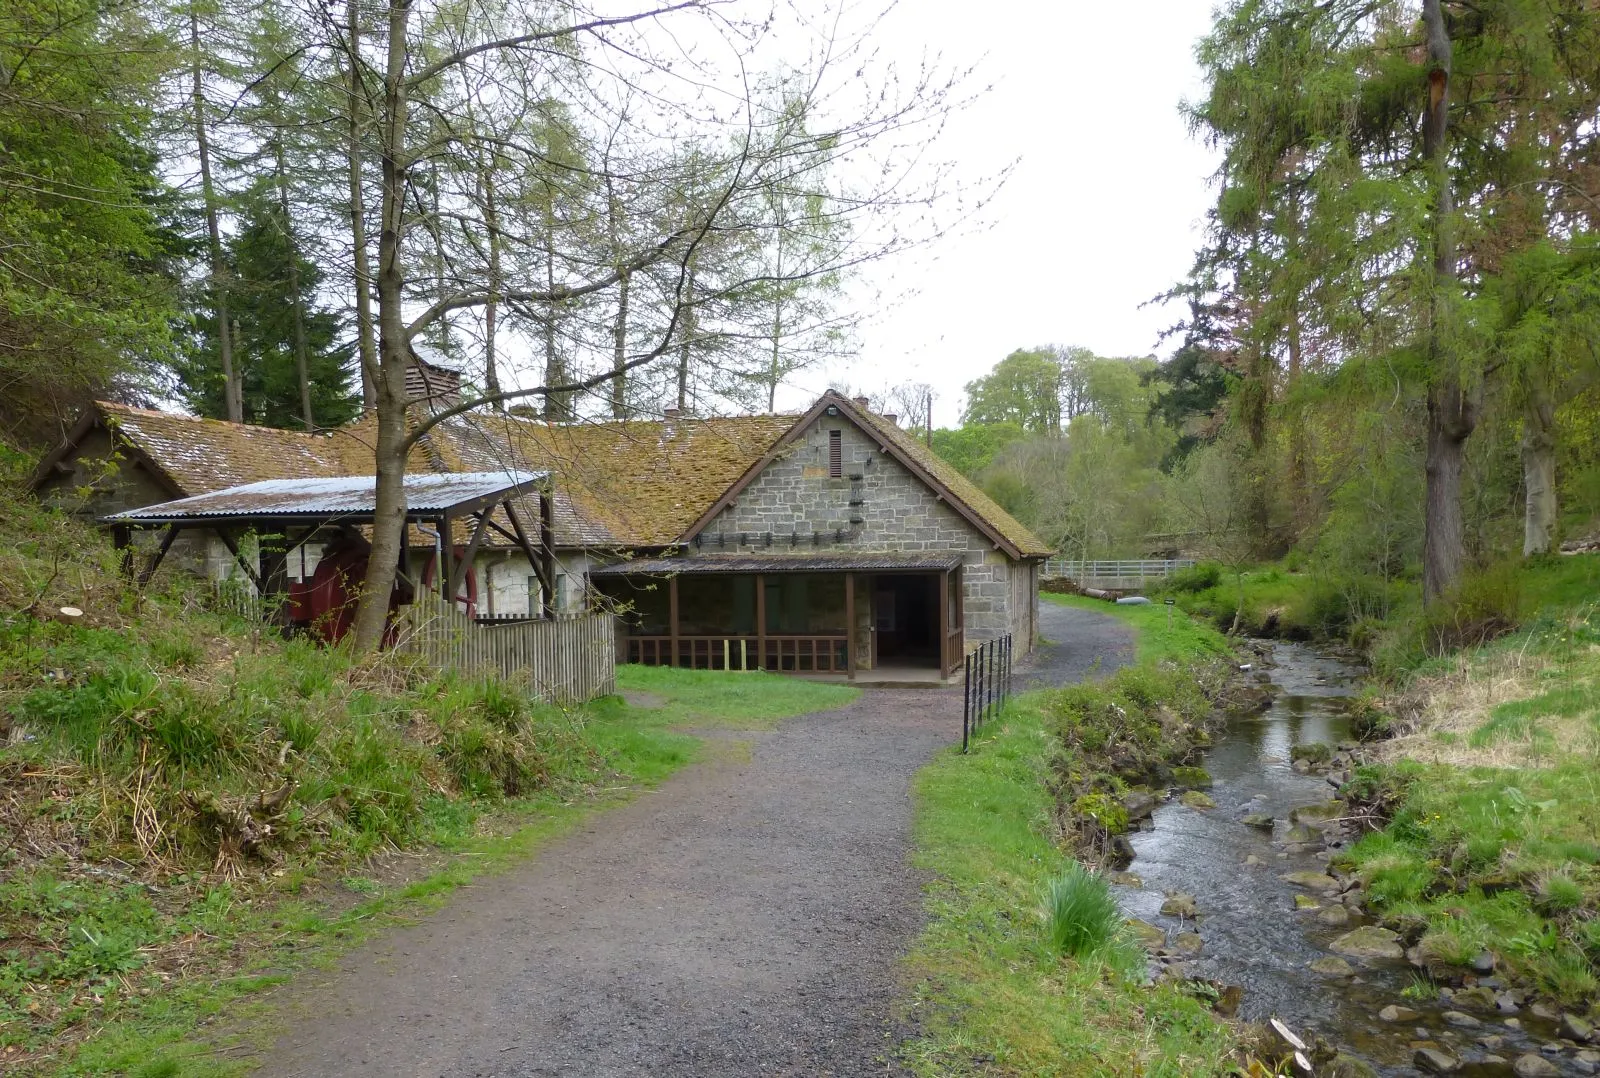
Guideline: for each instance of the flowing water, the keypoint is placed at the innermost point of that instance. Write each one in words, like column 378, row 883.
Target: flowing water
column 1253, row 935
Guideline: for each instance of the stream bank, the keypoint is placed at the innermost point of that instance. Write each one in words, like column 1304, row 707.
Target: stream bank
column 1237, row 884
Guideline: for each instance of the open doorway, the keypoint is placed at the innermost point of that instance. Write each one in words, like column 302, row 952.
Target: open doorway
column 905, row 619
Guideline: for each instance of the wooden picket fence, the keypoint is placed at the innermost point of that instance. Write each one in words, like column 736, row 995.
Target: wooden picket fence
column 566, row 661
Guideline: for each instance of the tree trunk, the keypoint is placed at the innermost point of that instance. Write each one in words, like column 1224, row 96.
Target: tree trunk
column 1294, row 416
column 557, row 404
column 491, row 309
column 367, row 348
column 302, row 365
column 1452, row 407
column 388, row 526
column 232, row 397
column 686, row 342
column 619, row 351
column 1539, row 470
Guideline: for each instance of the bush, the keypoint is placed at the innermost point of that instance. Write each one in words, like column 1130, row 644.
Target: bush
column 1081, row 913
column 1196, row 578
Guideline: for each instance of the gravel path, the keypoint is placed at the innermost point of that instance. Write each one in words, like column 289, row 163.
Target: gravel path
column 744, row 919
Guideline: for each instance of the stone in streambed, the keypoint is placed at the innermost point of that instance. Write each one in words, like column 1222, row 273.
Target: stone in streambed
column 1575, row 1028
column 1301, row 835
column 1187, row 944
column 1436, row 1061
column 1259, row 820
column 1128, row 879
column 1139, row 803
column 1369, row 941
column 1334, row 916
column 1460, row 1019
column 1193, row 778
column 1180, row 904
column 1344, row 1066
column 1533, row 1065
column 1318, row 813
column 1306, row 902
column 1332, row 966
column 1146, row 934
column 1396, row 1013
column 1312, row 881
column 1476, row 998
column 1197, row 800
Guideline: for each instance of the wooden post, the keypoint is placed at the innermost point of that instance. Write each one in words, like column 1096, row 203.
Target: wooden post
column 850, row 625
column 761, row 622
column 446, row 567
column 547, row 548
column 945, row 666
column 672, row 616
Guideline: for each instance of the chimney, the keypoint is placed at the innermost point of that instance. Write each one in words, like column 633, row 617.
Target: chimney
column 891, row 417
column 860, row 401
column 431, row 383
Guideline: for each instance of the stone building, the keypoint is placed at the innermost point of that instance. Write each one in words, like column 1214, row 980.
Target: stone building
column 831, row 541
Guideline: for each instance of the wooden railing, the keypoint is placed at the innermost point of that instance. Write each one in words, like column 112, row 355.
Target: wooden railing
column 566, row 661
column 819, row 654
column 1132, row 569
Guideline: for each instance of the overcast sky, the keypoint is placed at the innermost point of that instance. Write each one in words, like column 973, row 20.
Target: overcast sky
column 1103, row 210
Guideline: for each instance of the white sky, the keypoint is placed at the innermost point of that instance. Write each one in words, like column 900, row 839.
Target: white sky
column 1102, row 213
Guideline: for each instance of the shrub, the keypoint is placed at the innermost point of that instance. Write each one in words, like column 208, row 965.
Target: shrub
column 1196, row 578
column 1081, row 913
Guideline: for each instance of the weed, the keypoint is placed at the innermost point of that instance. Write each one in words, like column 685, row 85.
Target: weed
column 1081, row 913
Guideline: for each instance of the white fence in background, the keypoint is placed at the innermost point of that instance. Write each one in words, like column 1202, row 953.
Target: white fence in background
column 1114, row 573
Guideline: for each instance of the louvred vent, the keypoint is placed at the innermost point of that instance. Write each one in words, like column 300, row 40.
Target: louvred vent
column 835, row 454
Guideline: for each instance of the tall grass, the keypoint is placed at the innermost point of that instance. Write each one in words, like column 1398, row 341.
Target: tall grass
column 1081, row 913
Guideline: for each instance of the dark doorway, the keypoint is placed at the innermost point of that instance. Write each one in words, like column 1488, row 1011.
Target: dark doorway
column 905, row 617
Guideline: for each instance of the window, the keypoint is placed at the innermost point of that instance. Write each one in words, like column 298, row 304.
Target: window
column 835, row 454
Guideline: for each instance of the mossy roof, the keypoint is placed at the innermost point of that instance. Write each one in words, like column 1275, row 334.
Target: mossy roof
column 624, row 484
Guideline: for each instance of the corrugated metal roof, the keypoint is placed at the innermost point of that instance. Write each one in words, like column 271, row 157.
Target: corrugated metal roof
column 346, row 496
column 833, row 562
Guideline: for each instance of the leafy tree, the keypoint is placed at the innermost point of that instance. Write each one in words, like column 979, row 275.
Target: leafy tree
column 88, row 260
column 275, row 292
column 1023, row 389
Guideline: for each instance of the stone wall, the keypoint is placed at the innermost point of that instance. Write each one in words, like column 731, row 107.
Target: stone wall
column 805, row 510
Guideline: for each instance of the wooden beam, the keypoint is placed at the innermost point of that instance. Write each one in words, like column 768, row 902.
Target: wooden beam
column 156, row 558
column 672, row 617
column 547, row 546
column 761, row 622
column 850, row 625
column 122, row 539
column 464, row 566
column 541, row 569
column 249, row 570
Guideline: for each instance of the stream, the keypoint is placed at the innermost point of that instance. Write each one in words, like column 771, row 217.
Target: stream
column 1253, row 935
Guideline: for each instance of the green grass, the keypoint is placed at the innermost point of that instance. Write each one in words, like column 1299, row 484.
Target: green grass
column 1498, row 860
column 193, row 808
column 1081, row 913
column 1159, row 636
column 995, row 995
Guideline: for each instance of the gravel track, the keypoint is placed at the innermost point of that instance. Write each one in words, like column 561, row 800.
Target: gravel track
column 744, row 919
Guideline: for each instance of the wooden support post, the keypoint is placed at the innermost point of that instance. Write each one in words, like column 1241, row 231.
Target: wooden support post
column 945, row 665
column 249, row 570
column 156, row 558
column 761, row 622
column 547, row 547
column 672, row 616
column 446, row 569
column 464, row 566
column 122, row 539
column 850, row 625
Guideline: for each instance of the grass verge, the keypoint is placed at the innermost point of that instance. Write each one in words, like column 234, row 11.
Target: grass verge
column 994, row 994
column 999, row 829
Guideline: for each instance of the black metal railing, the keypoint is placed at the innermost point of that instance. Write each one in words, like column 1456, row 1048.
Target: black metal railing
column 988, row 684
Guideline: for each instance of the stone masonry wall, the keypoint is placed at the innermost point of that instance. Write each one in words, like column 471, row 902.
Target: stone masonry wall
column 794, row 496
